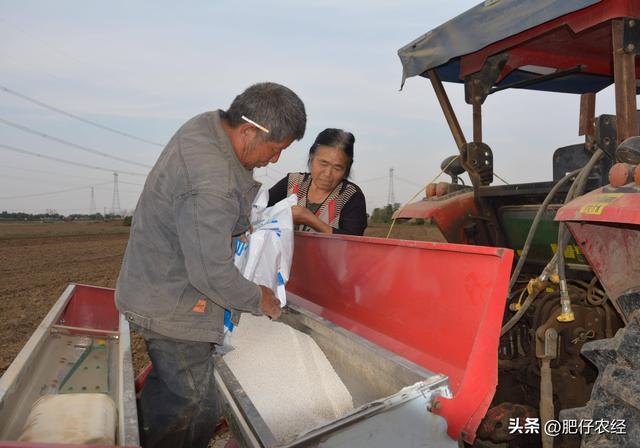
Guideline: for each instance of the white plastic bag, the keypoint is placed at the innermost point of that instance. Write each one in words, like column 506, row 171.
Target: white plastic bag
column 265, row 258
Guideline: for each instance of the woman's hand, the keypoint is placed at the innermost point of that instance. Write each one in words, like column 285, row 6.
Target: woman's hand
column 304, row 216
column 301, row 215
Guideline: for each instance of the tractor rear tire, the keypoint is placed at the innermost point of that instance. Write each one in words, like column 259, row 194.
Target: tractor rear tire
column 616, row 392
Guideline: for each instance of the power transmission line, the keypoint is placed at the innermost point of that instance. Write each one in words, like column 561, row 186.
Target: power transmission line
column 56, row 159
column 402, row 179
column 392, row 197
column 76, row 117
column 47, row 172
column 128, row 183
column 29, row 179
column 48, row 193
column 371, row 179
column 65, row 175
column 65, row 142
column 115, row 204
column 92, row 207
column 43, row 43
column 49, row 182
column 496, row 174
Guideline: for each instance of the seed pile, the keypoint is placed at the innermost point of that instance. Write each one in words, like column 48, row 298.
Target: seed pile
column 287, row 377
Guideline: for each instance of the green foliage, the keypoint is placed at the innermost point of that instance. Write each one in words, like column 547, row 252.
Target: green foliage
column 384, row 214
column 20, row 216
column 81, row 217
column 127, row 221
column 53, row 216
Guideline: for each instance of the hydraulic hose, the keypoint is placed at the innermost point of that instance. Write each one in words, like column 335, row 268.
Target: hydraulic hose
column 535, row 223
column 582, row 181
column 516, row 317
column 595, row 296
column 566, row 314
column 577, row 189
column 534, row 288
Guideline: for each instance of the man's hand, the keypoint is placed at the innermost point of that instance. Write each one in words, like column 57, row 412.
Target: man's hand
column 269, row 304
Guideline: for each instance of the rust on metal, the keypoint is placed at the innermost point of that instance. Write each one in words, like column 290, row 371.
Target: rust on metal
column 587, row 115
column 477, row 122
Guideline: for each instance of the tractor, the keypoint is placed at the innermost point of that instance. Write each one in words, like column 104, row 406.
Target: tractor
column 569, row 347
column 442, row 344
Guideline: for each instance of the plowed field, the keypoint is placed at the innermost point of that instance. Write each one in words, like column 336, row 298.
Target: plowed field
column 39, row 260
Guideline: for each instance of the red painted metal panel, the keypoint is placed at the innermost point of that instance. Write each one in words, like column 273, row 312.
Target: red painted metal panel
column 606, row 225
column 142, row 377
column 605, row 205
column 563, row 52
column 439, row 305
column 612, row 252
column 448, row 213
column 91, row 307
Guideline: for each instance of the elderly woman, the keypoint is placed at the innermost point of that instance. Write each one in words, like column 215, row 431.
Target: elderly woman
column 327, row 201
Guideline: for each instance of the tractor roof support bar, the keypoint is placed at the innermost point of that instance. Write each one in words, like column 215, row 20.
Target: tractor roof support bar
column 449, row 114
column 463, row 146
column 477, row 122
column 624, row 72
column 587, row 116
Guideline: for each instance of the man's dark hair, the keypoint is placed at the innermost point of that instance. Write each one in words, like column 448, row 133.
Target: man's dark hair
column 273, row 106
column 335, row 138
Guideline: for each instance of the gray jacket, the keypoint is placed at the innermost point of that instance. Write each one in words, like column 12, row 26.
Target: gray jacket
column 178, row 276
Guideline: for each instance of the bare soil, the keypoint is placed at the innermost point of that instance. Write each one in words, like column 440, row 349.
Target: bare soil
column 39, row 260
column 406, row 231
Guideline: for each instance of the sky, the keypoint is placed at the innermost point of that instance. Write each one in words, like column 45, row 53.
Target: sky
column 144, row 68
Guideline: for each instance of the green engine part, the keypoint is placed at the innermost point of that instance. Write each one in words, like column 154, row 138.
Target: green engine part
column 516, row 222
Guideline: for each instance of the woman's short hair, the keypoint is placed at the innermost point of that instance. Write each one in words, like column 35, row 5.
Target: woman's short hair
column 335, row 138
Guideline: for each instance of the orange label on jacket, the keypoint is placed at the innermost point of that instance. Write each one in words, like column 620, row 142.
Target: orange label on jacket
column 200, row 306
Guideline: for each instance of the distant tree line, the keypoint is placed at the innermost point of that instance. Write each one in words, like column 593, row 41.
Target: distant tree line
column 384, row 214
column 52, row 215
column 21, row 216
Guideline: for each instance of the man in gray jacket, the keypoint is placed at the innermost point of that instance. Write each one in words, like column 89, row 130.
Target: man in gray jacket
column 178, row 275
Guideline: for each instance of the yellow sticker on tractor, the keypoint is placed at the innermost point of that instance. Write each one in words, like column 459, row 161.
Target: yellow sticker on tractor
column 602, row 200
column 592, row 209
column 570, row 251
